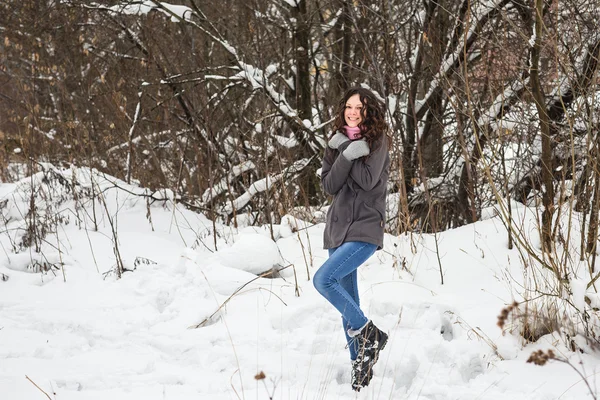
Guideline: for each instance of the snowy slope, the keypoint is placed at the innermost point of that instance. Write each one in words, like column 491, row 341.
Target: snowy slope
column 78, row 333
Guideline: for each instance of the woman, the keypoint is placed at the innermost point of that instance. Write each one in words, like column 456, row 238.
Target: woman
column 355, row 171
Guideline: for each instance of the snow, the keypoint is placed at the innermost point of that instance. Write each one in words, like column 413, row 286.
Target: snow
column 481, row 12
column 494, row 113
column 192, row 320
column 578, row 287
column 329, row 25
column 392, row 103
column 222, row 186
column 260, row 253
column 262, row 185
column 271, row 69
column 284, row 141
column 291, row 3
column 533, row 37
column 258, row 80
column 176, row 12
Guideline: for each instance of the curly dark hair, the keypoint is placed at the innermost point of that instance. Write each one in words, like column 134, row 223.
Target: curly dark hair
column 373, row 123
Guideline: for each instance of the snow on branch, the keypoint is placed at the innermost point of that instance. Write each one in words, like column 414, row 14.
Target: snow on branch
column 256, row 77
column 502, row 101
column 136, row 118
column 176, row 12
column 148, row 137
column 259, row 80
column 291, row 3
column 263, row 185
column 484, row 13
column 222, row 186
column 586, row 65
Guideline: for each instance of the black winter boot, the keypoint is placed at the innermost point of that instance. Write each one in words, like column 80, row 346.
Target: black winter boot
column 371, row 340
column 360, row 378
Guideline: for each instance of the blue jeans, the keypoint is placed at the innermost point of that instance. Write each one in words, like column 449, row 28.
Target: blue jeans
column 337, row 281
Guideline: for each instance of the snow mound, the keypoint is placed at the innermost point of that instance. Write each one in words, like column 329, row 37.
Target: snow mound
column 251, row 252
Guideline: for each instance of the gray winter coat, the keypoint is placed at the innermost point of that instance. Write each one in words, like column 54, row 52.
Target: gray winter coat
column 359, row 190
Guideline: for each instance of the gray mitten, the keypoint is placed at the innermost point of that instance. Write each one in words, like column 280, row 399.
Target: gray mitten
column 337, row 140
column 356, row 149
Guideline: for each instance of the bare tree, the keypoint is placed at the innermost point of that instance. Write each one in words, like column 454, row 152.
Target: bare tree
column 229, row 103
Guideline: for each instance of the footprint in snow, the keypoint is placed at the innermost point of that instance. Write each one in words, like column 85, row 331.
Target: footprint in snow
column 163, row 300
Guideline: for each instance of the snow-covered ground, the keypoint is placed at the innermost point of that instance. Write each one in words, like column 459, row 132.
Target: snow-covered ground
column 78, row 333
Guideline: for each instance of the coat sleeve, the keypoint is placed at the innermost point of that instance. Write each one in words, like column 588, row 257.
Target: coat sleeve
column 335, row 170
column 366, row 171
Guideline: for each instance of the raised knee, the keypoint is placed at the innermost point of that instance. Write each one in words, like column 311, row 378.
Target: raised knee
column 320, row 282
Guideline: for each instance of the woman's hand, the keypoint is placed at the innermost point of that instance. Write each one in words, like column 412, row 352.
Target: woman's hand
column 356, row 149
column 337, row 139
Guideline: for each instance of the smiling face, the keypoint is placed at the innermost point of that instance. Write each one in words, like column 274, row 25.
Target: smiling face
column 352, row 111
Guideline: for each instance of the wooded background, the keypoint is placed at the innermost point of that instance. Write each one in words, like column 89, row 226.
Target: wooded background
column 229, row 103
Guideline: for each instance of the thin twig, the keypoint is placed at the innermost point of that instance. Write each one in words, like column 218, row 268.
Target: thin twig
column 237, row 291
column 39, row 388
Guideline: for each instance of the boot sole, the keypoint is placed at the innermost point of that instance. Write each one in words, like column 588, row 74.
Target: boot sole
column 383, row 343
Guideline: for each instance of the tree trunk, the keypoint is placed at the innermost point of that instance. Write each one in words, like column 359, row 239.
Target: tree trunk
column 540, row 103
column 410, row 169
column 592, row 238
column 309, row 180
column 341, row 51
column 430, row 146
column 302, row 42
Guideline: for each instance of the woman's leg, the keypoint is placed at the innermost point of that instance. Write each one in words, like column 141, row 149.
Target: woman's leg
column 350, row 284
column 342, row 262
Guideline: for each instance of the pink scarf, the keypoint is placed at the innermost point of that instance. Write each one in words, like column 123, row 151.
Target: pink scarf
column 353, row 133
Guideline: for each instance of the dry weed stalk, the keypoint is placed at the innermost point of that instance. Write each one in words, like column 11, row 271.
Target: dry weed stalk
column 541, row 358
